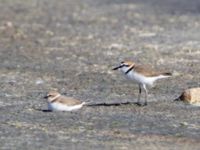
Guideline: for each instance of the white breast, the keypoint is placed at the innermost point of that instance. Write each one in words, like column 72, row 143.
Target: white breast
column 61, row 107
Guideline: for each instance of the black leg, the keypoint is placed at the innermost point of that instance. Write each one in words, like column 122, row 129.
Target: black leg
column 139, row 95
column 146, row 94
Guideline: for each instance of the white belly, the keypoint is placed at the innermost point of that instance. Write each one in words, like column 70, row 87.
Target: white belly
column 61, row 107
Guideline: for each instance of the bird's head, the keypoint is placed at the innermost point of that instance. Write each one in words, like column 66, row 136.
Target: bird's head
column 125, row 65
column 52, row 95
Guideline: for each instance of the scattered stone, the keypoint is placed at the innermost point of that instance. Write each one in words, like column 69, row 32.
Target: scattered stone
column 147, row 34
column 191, row 96
column 39, row 81
column 9, row 24
column 116, row 46
column 49, row 33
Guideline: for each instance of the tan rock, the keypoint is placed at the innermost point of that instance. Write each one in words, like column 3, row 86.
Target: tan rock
column 191, row 96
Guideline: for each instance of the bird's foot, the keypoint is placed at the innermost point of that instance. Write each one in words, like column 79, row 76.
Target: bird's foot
column 138, row 104
column 145, row 104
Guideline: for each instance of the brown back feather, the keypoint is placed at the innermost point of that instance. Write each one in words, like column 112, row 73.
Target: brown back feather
column 67, row 101
column 149, row 72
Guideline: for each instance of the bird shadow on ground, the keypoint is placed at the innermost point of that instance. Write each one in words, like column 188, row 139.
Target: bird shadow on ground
column 114, row 104
column 43, row 110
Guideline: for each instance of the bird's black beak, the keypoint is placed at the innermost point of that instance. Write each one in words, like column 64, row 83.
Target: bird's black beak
column 178, row 99
column 116, row 68
column 45, row 97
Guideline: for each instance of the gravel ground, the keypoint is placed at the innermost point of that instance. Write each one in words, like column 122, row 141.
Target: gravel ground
column 72, row 45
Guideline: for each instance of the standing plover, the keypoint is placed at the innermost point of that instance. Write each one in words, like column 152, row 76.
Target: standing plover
column 142, row 75
column 58, row 102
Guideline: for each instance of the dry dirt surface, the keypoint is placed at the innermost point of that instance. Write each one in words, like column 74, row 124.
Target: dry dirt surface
column 72, row 45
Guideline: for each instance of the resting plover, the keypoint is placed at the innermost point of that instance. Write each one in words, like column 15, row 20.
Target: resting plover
column 58, row 102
